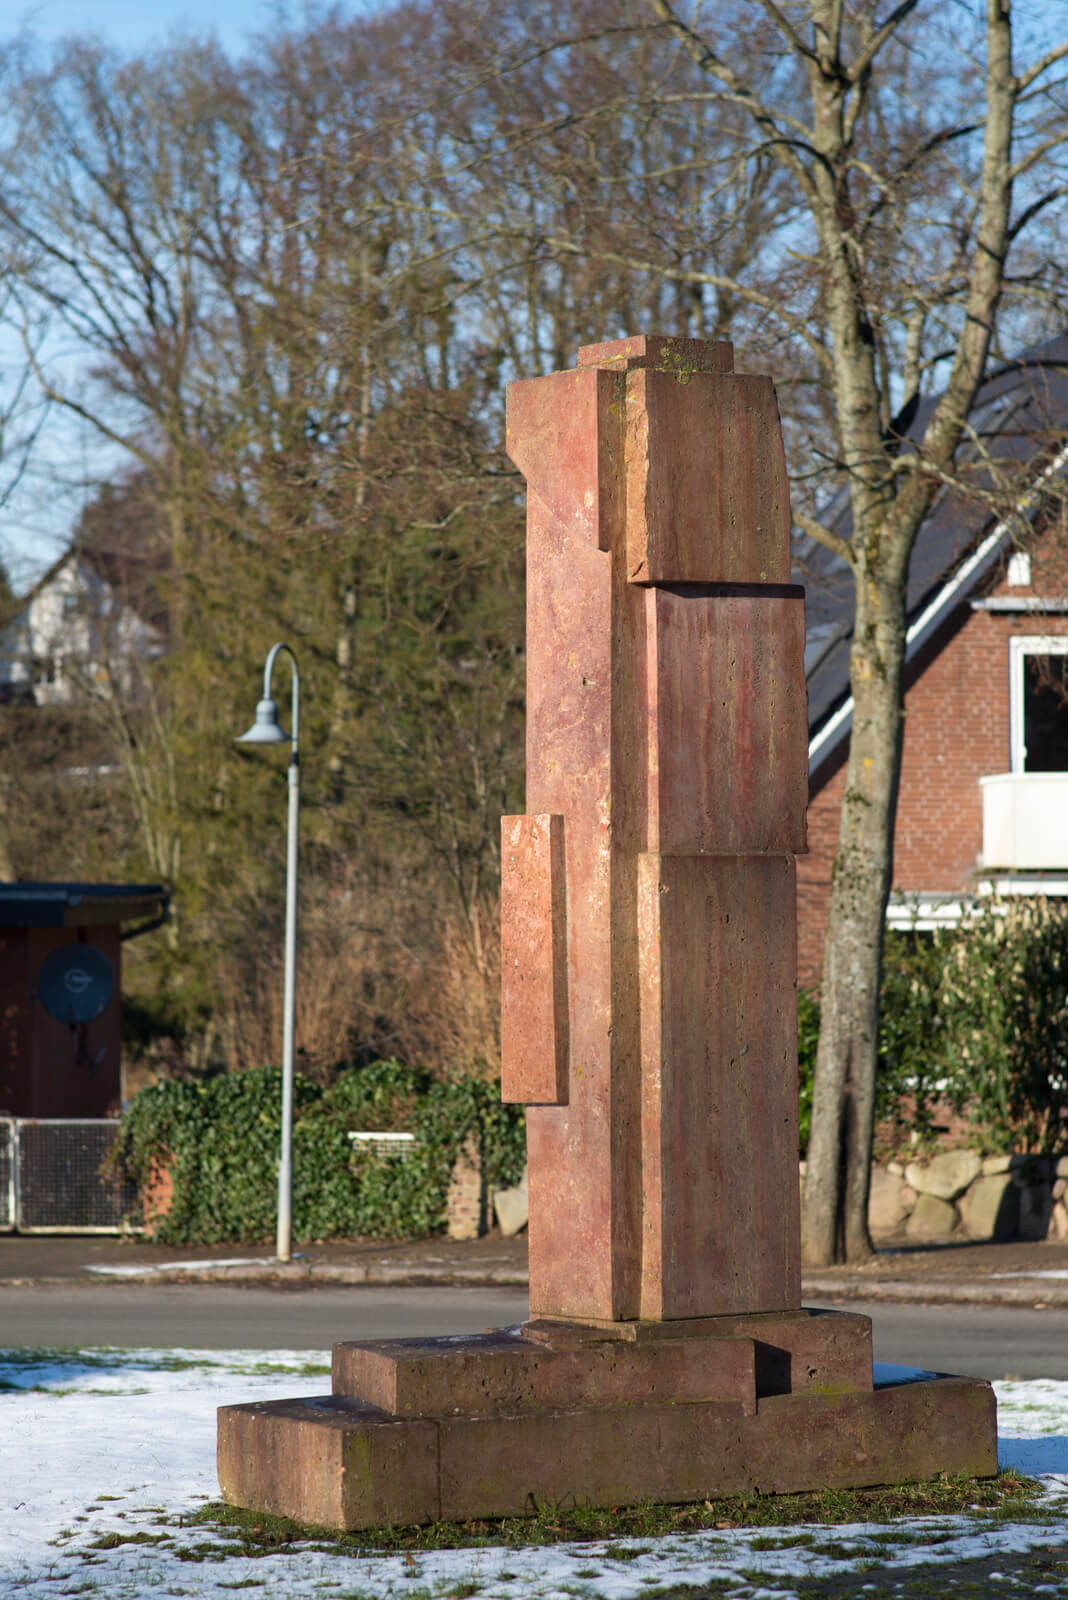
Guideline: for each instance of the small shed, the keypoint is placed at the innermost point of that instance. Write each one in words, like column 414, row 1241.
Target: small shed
column 61, row 993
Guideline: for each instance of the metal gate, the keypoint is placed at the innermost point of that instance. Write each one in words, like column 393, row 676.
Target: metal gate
column 52, row 1178
column 8, row 1168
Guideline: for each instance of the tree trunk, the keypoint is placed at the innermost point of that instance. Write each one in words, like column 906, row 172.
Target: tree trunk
column 839, row 1158
column 835, row 1220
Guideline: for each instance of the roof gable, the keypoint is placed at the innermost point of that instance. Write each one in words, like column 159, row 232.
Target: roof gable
column 1020, row 409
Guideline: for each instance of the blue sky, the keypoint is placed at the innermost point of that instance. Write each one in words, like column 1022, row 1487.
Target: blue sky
column 135, row 24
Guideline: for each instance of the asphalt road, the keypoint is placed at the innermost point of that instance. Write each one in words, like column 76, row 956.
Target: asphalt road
column 224, row 1317
column 973, row 1341
column 978, row 1341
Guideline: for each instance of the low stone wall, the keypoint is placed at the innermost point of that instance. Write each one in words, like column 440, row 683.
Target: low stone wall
column 962, row 1194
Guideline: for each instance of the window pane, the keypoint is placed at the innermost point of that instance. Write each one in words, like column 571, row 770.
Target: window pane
column 1046, row 713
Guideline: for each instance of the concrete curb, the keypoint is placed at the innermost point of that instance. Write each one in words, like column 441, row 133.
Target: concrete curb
column 1026, row 1292
column 976, row 1291
column 296, row 1272
column 1023, row 1291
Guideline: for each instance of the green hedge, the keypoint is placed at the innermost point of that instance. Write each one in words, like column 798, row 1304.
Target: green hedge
column 973, row 1017
column 1003, row 1016
column 808, row 1038
column 220, row 1140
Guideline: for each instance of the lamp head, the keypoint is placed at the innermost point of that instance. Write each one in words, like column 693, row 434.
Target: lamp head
column 266, row 729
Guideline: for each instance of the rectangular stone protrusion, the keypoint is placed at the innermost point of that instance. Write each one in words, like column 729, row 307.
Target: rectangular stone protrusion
column 496, row 1373
column 727, row 758
column 902, row 1434
column 708, row 499
column 808, row 1351
column 329, row 1462
column 667, row 352
column 534, row 1021
column 565, row 434
column 501, row 1466
column 795, row 1352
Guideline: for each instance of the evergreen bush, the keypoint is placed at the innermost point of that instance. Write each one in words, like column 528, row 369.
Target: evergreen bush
column 1003, row 1007
column 219, row 1139
column 911, row 1073
column 808, row 1038
column 973, row 1018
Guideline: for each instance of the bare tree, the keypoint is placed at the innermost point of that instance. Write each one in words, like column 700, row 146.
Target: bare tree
column 920, row 158
column 863, row 200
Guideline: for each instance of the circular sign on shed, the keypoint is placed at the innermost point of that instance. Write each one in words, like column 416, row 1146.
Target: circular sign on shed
column 75, row 983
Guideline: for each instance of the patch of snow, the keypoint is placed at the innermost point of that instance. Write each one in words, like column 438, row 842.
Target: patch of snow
column 99, row 1443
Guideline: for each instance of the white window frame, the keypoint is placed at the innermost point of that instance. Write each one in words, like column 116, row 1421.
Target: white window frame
column 1020, row 647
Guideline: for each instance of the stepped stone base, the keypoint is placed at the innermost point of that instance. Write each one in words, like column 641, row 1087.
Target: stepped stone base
column 422, row 1430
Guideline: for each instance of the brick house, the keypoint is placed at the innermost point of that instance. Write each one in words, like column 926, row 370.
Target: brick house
column 983, row 802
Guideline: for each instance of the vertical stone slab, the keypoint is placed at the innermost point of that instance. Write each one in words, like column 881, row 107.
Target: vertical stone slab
column 707, row 494
column 719, row 1086
column 727, row 761
column 533, row 961
column 565, row 435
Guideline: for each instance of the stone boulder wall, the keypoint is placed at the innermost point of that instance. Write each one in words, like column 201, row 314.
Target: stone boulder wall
column 947, row 1175
column 891, row 1201
column 959, row 1194
column 991, row 1208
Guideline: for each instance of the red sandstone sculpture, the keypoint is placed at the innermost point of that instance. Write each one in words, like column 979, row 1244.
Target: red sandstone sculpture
column 648, row 1020
column 648, row 1017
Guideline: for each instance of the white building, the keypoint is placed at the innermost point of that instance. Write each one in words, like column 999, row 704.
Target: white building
column 75, row 634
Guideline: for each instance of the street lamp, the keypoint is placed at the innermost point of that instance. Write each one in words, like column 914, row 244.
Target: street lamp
column 268, row 730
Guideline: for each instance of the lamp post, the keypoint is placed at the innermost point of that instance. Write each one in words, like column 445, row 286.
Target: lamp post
column 268, row 730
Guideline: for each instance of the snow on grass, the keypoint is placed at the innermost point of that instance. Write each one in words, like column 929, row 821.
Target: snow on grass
column 102, row 1446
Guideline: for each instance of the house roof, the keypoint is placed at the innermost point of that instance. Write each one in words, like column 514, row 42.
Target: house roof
column 131, row 574
column 81, row 905
column 1020, row 412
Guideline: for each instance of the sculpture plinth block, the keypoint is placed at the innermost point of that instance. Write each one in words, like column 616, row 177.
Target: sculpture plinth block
column 648, row 944
column 424, row 1430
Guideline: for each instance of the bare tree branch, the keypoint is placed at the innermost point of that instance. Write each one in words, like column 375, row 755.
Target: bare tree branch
column 1037, row 68
column 823, row 536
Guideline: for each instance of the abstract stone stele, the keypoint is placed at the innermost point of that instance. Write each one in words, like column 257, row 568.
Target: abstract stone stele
column 648, row 1022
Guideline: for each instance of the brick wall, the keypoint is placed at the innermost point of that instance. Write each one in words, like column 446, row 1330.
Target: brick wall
column 814, row 876
column 956, row 731
column 467, row 1202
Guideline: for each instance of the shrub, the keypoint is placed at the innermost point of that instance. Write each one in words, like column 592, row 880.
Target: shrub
column 1003, row 1005
column 906, row 1075
column 808, row 1038
column 974, row 1018
column 220, row 1140
column 910, row 1076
